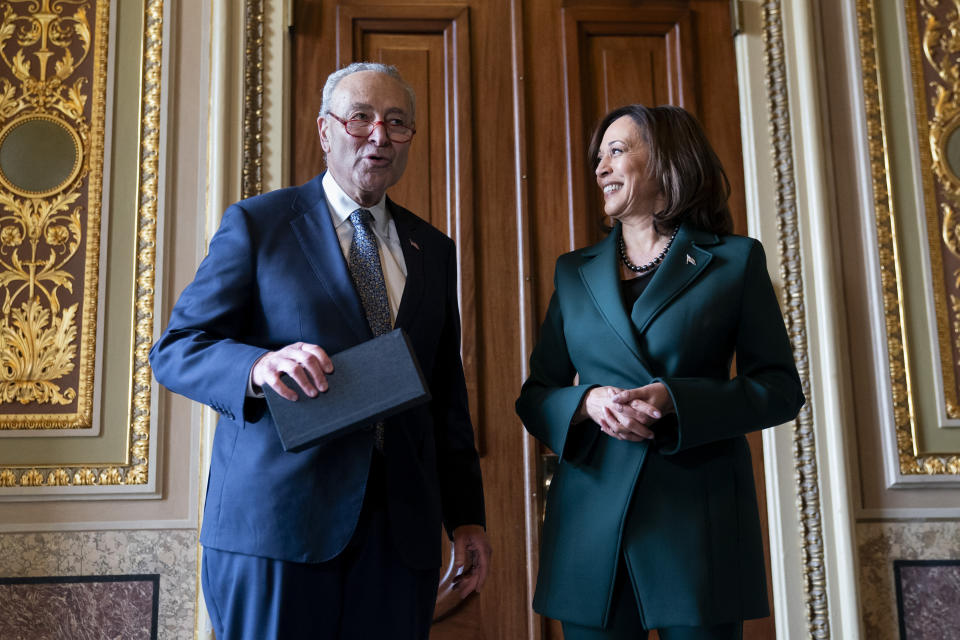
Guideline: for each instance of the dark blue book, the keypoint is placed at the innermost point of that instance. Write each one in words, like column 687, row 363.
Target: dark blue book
column 370, row 382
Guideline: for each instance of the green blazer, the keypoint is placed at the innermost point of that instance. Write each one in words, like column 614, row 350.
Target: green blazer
column 682, row 509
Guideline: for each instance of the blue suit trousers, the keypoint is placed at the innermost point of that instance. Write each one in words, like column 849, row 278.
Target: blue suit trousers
column 364, row 592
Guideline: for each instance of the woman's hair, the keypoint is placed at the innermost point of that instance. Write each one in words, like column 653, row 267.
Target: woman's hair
column 683, row 163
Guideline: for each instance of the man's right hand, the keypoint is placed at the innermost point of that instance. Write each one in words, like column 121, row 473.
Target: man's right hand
column 307, row 364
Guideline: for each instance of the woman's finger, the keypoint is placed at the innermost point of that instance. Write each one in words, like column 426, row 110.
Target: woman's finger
column 611, row 423
column 636, row 428
column 646, row 408
column 628, row 412
column 624, row 396
column 620, row 430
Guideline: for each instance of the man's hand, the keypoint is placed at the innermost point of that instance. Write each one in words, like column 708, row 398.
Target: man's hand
column 471, row 556
column 307, row 364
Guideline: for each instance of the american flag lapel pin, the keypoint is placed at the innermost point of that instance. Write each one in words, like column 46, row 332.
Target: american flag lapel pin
column 690, row 260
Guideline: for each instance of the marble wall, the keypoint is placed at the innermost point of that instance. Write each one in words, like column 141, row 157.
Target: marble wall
column 79, row 608
column 172, row 554
column 929, row 606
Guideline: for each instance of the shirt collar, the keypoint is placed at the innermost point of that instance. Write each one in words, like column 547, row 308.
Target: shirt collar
column 341, row 205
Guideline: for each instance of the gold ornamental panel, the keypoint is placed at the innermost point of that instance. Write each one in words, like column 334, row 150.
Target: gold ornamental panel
column 31, row 460
column 53, row 57
column 923, row 383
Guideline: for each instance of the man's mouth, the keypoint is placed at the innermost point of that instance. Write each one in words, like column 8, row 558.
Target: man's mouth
column 377, row 161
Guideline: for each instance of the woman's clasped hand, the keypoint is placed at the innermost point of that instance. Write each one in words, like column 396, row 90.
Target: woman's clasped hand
column 627, row 414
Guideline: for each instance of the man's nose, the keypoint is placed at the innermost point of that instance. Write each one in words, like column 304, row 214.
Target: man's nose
column 378, row 134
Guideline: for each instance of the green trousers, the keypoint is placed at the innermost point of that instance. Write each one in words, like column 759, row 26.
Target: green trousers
column 625, row 623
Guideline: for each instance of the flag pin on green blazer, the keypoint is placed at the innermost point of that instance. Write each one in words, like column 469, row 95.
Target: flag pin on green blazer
column 691, row 260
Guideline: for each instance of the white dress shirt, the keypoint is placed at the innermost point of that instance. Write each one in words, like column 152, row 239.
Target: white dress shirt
column 392, row 264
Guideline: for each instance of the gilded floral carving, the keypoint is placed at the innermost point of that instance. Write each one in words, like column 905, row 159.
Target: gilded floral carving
column 52, row 63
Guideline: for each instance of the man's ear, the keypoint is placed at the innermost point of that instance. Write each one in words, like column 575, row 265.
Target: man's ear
column 323, row 130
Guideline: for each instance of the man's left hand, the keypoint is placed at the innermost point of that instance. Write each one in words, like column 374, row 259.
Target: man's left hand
column 471, row 556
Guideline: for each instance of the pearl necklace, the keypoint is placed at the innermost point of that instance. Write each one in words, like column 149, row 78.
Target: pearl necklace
column 643, row 268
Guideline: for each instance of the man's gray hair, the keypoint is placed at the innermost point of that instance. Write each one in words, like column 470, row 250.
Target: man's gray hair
column 355, row 67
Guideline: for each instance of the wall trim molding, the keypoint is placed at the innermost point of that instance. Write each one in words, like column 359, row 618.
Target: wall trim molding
column 106, row 525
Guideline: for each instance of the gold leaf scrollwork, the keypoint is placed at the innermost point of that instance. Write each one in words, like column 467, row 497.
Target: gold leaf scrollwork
column 940, row 42
column 32, row 354
column 48, row 30
column 37, row 339
column 42, row 43
column 950, row 230
column 58, row 478
column 31, row 478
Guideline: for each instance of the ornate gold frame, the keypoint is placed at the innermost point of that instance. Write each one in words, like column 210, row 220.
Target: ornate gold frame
column 135, row 469
column 252, row 173
column 82, row 418
column 911, row 462
column 791, row 272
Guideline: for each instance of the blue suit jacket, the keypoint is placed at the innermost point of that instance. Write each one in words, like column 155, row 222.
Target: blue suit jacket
column 275, row 274
column 682, row 510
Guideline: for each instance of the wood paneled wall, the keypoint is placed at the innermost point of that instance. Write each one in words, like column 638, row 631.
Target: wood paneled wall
column 508, row 94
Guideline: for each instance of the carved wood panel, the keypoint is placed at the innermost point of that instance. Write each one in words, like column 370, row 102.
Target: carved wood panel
column 615, row 56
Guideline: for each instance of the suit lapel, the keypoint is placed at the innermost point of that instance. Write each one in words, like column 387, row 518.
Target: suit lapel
column 314, row 230
column 683, row 263
column 601, row 278
column 412, row 246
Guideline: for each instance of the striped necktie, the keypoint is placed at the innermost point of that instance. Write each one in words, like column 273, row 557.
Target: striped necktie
column 367, row 277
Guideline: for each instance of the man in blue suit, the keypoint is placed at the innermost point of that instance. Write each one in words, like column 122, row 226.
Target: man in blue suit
column 341, row 540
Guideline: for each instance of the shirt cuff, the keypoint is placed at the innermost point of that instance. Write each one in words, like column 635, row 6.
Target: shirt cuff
column 252, row 390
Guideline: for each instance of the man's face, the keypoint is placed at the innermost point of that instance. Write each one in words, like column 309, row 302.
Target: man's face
column 365, row 167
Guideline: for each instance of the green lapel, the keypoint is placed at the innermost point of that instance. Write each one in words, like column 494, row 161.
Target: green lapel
column 683, row 263
column 601, row 277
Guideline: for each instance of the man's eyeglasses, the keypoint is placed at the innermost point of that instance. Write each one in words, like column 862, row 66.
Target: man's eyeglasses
column 360, row 128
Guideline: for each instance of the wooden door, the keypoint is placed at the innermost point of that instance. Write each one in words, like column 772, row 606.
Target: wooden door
column 508, row 92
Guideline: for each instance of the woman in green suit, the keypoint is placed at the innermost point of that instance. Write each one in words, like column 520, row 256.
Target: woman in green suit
column 651, row 520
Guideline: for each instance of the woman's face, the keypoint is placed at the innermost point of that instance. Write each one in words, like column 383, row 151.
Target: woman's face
column 622, row 174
